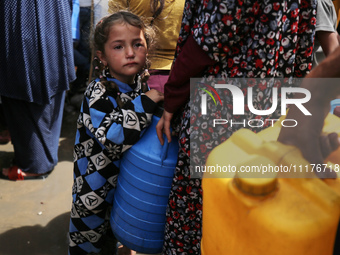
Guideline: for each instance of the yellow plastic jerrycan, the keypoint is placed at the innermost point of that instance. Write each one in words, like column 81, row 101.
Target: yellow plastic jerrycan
column 264, row 212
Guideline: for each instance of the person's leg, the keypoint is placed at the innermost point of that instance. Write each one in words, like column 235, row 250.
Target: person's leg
column 85, row 30
column 35, row 132
column 82, row 52
column 89, row 222
column 183, row 228
column 83, row 65
column 87, row 233
column 92, row 194
column 184, row 212
column 4, row 133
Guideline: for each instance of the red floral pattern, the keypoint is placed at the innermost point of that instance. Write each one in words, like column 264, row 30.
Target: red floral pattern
column 247, row 39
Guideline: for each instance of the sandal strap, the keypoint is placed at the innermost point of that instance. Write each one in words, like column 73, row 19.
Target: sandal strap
column 14, row 173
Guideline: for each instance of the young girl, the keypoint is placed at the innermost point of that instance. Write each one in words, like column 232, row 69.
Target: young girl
column 114, row 112
column 166, row 16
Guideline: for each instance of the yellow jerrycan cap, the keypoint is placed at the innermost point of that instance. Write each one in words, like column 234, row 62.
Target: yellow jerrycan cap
column 253, row 180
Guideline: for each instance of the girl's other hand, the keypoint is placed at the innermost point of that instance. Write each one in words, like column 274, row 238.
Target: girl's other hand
column 155, row 95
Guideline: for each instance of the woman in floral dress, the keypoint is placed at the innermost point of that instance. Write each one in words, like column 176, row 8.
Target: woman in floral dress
column 225, row 39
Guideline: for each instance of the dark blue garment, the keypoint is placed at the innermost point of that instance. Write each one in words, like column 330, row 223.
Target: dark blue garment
column 36, row 49
column 35, row 131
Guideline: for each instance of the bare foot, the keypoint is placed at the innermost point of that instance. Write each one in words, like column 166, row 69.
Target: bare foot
column 123, row 250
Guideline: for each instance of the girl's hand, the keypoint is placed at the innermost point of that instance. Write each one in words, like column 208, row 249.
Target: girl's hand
column 155, row 95
column 163, row 126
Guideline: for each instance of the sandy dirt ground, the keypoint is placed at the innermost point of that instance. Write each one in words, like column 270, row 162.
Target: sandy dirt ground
column 34, row 214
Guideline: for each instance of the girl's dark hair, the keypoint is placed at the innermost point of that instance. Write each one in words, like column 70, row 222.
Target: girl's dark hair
column 156, row 7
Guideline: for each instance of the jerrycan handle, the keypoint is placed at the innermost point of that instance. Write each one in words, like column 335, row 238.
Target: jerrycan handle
column 164, row 152
column 158, row 113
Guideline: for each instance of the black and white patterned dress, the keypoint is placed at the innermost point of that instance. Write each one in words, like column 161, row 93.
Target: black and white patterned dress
column 104, row 132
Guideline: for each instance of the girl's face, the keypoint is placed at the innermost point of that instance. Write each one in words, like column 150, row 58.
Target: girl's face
column 125, row 52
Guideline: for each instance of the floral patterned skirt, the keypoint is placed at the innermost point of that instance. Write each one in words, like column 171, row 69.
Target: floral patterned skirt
column 184, row 211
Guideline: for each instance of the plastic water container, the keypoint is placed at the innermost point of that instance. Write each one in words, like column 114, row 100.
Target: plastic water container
column 268, row 215
column 75, row 20
column 142, row 193
column 335, row 103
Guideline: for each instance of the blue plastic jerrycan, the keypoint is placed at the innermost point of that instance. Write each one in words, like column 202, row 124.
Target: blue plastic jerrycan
column 143, row 187
column 75, row 20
